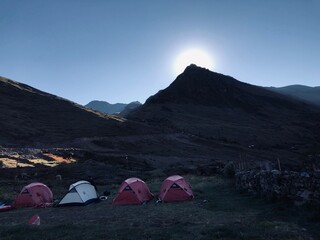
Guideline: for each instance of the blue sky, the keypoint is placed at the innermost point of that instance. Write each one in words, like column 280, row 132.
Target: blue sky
column 124, row 50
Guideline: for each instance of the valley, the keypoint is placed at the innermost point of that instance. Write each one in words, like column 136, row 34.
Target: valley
column 198, row 127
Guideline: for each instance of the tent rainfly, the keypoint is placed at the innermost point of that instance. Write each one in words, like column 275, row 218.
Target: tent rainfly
column 175, row 189
column 80, row 193
column 133, row 191
column 34, row 195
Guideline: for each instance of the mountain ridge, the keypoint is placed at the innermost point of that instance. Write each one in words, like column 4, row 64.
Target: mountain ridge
column 198, row 85
column 202, row 115
column 301, row 92
column 109, row 108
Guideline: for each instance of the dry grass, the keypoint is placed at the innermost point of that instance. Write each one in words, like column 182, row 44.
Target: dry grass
column 13, row 163
column 59, row 159
column 44, row 162
column 46, row 159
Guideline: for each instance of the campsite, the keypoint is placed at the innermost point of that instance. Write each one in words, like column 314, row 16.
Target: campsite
column 159, row 120
column 207, row 142
column 206, row 145
column 218, row 211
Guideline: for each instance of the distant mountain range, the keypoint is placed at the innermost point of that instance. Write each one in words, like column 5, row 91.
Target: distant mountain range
column 301, row 92
column 202, row 116
column 305, row 93
column 109, row 108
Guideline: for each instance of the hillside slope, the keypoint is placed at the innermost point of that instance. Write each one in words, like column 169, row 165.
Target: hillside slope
column 29, row 115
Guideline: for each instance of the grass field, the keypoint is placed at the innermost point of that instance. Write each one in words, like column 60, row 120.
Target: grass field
column 218, row 212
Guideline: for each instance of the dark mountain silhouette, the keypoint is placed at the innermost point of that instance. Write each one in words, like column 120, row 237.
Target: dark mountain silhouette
column 29, row 115
column 222, row 109
column 200, row 86
column 201, row 118
column 306, row 93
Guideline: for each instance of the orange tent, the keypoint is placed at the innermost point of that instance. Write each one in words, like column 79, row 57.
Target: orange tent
column 34, row 195
column 133, row 191
column 174, row 189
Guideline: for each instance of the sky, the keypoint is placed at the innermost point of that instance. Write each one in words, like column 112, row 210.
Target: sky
column 125, row 50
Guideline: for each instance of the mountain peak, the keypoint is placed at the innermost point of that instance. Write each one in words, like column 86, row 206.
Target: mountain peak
column 197, row 85
column 200, row 86
column 194, row 68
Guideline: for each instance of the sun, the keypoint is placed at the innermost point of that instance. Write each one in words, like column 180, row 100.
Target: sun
column 192, row 56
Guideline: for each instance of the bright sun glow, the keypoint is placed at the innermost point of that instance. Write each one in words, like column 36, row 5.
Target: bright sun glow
column 192, row 56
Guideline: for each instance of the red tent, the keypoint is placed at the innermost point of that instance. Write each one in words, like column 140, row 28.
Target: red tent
column 174, row 189
column 133, row 191
column 34, row 195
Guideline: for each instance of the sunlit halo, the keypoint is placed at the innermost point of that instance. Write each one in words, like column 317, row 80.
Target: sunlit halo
column 192, row 56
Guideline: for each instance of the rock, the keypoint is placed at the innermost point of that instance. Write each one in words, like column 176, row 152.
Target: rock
column 301, row 187
column 275, row 172
column 304, row 174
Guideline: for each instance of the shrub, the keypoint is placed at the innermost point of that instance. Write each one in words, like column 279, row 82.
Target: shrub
column 228, row 170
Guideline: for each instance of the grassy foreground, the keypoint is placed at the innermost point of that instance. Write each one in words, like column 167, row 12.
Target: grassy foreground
column 218, row 212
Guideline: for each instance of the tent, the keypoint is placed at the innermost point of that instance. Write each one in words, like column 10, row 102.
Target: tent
column 133, row 191
column 34, row 195
column 175, row 189
column 80, row 193
column 4, row 207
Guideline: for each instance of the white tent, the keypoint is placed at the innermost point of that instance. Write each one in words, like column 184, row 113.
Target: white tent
column 80, row 193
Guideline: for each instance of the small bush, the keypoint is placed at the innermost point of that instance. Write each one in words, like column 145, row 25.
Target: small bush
column 228, row 170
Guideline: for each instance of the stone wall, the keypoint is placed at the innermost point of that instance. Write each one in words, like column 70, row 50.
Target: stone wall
column 300, row 187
